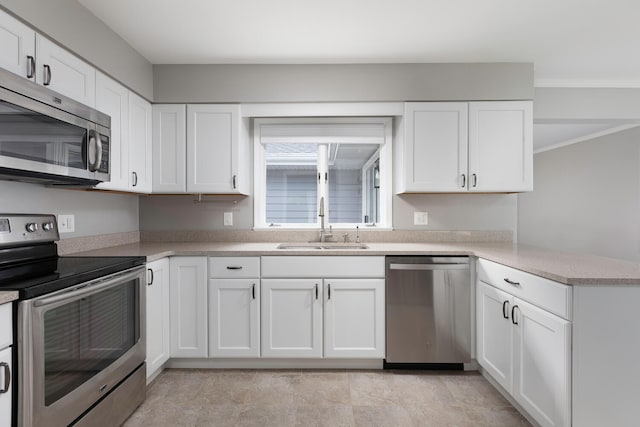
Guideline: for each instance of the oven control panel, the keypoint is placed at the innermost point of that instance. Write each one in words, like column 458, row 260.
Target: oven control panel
column 16, row 229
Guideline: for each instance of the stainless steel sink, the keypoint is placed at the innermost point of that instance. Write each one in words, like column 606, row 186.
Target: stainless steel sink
column 320, row 246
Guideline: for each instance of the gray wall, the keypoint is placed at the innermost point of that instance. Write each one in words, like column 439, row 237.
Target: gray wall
column 95, row 212
column 74, row 27
column 586, row 198
column 353, row 82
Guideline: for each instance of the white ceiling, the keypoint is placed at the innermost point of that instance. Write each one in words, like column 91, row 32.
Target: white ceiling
column 577, row 40
column 571, row 42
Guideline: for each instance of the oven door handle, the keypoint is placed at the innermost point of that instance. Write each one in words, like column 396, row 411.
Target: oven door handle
column 89, row 288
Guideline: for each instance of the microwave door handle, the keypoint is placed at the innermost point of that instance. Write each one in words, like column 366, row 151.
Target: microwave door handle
column 94, row 150
column 89, row 288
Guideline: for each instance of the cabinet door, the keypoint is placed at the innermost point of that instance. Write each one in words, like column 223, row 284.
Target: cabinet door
column 542, row 378
column 354, row 318
column 435, row 146
column 169, row 148
column 158, row 345
column 291, row 321
column 213, row 142
column 139, row 144
column 495, row 333
column 501, row 146
column 17, row 47
column 188, row 302
column 113, row 99
column 6, row 375
column 234, row 318
column 60, row 70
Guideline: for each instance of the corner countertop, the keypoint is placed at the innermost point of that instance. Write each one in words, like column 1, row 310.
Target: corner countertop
column 8, row 296
column 563, row 267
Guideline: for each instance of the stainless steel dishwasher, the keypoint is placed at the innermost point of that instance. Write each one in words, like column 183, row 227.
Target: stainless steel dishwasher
column 428, row 309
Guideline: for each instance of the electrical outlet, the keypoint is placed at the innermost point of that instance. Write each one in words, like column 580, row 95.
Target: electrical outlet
column 66, row 223
column 228, row 218
column 420, row 218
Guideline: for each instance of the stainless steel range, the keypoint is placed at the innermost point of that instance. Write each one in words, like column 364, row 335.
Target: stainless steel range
column 79, row 323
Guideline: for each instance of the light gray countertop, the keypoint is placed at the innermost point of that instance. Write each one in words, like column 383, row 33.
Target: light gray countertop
column 8, row 296
column 567, row 268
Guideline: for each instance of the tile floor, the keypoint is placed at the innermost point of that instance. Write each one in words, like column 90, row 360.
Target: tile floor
column 194, row 397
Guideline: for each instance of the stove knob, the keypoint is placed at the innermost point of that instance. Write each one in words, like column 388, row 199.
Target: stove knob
column 47, row 226
column 32, row 227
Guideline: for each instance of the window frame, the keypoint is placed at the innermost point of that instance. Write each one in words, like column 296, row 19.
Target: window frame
column 260, row 172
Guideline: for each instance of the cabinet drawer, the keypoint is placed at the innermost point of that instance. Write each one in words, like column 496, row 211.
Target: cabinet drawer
column 6, row 328
column 544, row 293
column 234, row 267
column 323, row 266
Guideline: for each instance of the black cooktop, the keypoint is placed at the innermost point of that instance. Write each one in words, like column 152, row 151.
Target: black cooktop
column 35, row 278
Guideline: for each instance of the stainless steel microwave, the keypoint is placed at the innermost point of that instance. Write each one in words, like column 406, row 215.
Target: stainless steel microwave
column 48, row 138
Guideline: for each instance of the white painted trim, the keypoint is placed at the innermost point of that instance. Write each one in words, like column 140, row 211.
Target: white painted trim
column 265, row 363
column 323, row 109
column 587, row 83
column 585, row 138
column 386, row 165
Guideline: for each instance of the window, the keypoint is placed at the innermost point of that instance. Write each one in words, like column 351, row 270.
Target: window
column 302, row 163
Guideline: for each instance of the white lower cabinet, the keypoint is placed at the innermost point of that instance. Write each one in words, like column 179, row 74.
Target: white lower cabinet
column 158, row 335
column 7, row 376
column 188, row 306
column 292, row 318
column 315, row 317
column 234, row 318
column 354, row 318
column 525, row 349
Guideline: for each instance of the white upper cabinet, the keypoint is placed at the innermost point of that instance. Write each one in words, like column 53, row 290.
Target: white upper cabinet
column 113, row 99
column 452, row 147
column 435, row 149
column 17, row 47
column 217, row 154
column 169, row 148
column 501, row 146
column 60, row 70
column 140, row 162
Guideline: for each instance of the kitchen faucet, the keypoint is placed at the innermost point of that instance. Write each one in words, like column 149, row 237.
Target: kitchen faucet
column 323, row 234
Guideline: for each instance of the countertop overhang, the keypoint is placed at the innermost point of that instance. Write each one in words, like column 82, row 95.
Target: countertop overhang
column 563, row 267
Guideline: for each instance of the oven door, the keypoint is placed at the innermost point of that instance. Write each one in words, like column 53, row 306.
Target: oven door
column 77, row 344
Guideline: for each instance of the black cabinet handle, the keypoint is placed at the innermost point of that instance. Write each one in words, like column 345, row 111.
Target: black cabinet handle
column 253, row 291
column 150, row 270
column 47, row 75
column 7, row 377
column 31, row 66
column 135, row 178
column 511, row 282
column 505, row 309
column 513, row 315
column 234, row 267
column 316, row 291
column 464, row 181
column 329, row 290
column 234, row 182
column 475, row 180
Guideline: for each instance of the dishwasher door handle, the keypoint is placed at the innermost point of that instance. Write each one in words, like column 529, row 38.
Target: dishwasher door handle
column 417, row 267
